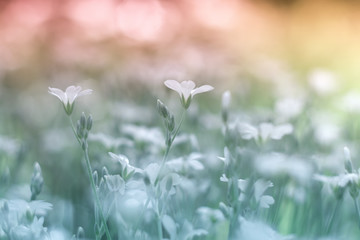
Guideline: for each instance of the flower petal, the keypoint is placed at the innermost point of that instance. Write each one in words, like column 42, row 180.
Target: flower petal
column 174, row 85
column 72, row 93
column 188, row 85
column 85, row 92
column 186, row 88
column 58, row 93
column 204, row 88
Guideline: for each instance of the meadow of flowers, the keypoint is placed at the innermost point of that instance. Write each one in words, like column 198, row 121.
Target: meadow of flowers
column 104, row 136
column 186, row 162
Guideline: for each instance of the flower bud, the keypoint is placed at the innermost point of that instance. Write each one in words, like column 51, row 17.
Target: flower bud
column 80, row 233
column 169, row 183
column 36, row 181
column 79, row 130
column 83, row 120
column 147, row 180
column 89, row 123
column 29, row 215
column 226, row 99
column 105, row 171
column 162, row 109
column 171, row 123
column 96, row 177
column 348, row 164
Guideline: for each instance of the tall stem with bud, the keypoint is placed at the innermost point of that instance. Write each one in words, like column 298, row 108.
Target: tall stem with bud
column 81, row 133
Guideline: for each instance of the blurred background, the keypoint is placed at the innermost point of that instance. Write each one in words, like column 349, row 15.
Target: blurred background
column 265, row 51
column 154, row 40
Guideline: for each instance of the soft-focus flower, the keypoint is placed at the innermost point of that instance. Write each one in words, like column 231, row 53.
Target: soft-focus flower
column 68, row 97
column 265, row 131
column 186, row 90
column 323, row 82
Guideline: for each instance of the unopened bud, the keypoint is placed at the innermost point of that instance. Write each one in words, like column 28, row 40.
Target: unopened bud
column 105, row 171
column 80, row 233
column 147, row 180
column 348, row 164
column 96, row 177
column 226, row 99
column 162, row 109
column 169, row 183
column 79, row 130
column 29, row 215
column 36, row 181
column 89, row 123
column 83, row 121
column 171, row 123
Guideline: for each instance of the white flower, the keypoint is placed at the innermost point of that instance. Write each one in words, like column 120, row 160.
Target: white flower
column 186, row 90
column 264, row 131
column 68, row 97
column 226, row 99
column 323, row 82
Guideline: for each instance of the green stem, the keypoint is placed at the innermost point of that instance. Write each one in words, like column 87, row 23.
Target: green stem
column 97, row 200
column 357, row 210
column 331, row 220
column 179, row 125
column 168, row 146
column 159, row 228
column 92, row 182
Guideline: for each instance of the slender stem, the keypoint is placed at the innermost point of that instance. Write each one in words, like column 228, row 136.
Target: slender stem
column 97, row 200
column 92, row 182
column 168, row 146
column 74, row 130
column 141, row 216
column 179, row 125
column 331, row 220
column 357, row 210
column 159, row 228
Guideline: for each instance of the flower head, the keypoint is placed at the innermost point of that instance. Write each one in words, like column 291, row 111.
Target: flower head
column 68, row 97
column 186, row 90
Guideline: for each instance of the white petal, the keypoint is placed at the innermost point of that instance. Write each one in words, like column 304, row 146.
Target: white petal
column 190, row 85
column 186, row 88
column 260, row 187
column 58, row 93
column 247, row 131
column 266, row 201
column 85, row 92
column 204, row 88
column 281, row 130
column 243, row 184
column 174, row 85
column 224, row 178
column 265, row 130
column 72, row 93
